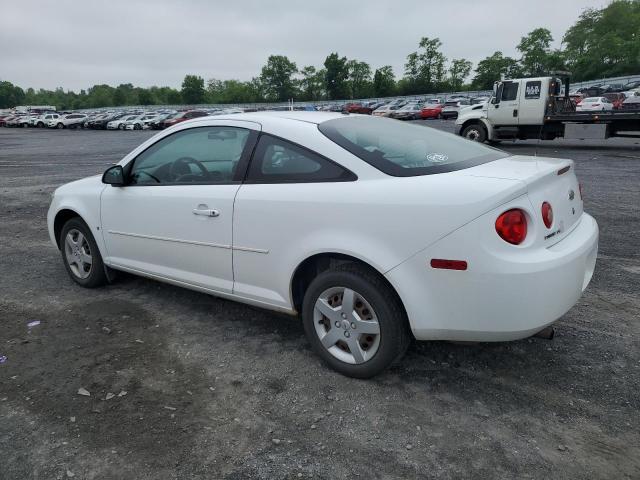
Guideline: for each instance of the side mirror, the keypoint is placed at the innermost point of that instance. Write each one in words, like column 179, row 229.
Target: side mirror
column 114, row 176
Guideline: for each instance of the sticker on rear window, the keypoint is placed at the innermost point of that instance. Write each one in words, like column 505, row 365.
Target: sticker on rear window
column 437, row 157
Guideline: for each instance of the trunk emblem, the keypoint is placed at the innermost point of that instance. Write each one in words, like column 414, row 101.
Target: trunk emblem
column 572, row 194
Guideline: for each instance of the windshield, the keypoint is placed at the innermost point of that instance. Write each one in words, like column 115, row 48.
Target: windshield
column 405, row 150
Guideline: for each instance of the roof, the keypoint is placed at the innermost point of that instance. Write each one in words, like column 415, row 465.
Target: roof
column 300, row 116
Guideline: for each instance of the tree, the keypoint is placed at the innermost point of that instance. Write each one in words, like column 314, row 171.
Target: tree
column 360, row 79
column 537, row 57
column 277, row 78
column 192, row 90
column 493, row 68
column 336, row 77
column 424, row 70
column 384, row 82
column 458, row 72
column 10, row 95
column 605, row 42
column 312, row 83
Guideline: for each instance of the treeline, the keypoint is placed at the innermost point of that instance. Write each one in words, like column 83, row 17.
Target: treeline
column 602, row 43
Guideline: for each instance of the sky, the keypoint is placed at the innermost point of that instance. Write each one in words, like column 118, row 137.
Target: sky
column 77, row 44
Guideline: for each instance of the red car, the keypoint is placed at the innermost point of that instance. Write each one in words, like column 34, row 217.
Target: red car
column 616, row 98
column 358, row 108
column 182, row 116
column 431, row 110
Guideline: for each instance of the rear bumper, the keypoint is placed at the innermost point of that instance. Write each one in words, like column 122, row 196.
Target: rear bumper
column 499, row 297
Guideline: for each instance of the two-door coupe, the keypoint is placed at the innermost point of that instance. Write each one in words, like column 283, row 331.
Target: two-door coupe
column 374, row 231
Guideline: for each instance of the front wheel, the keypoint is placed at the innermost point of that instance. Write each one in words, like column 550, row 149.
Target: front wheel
column 475, row 132
column 60, row 126
column 80, row 254
column 121, row 126
column 354, row 321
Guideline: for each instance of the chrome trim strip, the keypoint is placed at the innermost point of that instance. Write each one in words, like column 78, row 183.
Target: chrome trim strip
column 189, row 242
column 165, row 239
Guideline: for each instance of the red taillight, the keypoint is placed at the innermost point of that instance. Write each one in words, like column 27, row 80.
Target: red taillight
column 512, row 226
column 547, row 214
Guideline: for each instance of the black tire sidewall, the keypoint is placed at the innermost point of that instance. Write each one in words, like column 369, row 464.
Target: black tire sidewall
column 391, row 320
column 97, row 276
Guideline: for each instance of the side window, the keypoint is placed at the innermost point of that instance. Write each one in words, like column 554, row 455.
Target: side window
column 532, row 90
column 277, row 161
column 509, row 91
column 201, row 155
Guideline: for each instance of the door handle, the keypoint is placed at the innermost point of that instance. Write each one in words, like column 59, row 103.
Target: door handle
column 208, row 212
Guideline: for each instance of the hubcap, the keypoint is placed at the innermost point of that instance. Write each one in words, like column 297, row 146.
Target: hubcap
column 346, row 325
column 78, row 253
column 473, row 134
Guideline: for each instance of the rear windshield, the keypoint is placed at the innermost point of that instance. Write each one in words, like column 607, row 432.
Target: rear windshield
column 404, row 149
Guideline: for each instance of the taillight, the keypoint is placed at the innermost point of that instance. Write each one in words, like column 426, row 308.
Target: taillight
column 512, row 226
column 547, row 214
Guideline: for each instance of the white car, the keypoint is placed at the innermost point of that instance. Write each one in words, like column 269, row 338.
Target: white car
column 592, row 104
column 43, row 120
column 72, row 120
column 140, row 122
column 375, row 231
column 120, row 123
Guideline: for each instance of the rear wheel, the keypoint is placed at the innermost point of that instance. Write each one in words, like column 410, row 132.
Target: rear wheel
column 354, row 321
column 80, row 254
column 475, row 132
column 60, row 125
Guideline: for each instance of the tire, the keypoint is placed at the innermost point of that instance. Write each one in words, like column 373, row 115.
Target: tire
column 137, row 127
column 121, row 126
column 372, row 298
column 474, row 132
column 60, row 125
column 40, row 125
column 76, row 250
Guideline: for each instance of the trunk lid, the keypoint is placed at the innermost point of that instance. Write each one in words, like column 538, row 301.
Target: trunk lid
column 549, row 180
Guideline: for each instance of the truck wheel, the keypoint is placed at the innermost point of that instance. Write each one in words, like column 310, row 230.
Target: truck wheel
column 475, row 132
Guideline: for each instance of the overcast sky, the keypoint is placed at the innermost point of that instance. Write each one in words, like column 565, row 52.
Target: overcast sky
column 76, row 44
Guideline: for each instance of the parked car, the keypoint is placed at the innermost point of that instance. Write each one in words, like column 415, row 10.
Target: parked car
column 5, row 120
column 612, row 88
column 592, row 104
column 140, row 122
column 73, row 120
column 241, row 212
column 452, row 107
column 632, row 102
column 16, row 121
column 386, row 110
column 120, row 122
column 155, row 123
column 431, row 110
column 100, row 123
column 616, row 99
column 631, row 86
column 43, row 120
column 182, row 116
column 358, row 108
column 410, row 111
column 477, row 100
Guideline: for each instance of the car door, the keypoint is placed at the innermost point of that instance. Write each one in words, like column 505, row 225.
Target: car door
column 276, row 208
column 505, row 112
column 173, row 219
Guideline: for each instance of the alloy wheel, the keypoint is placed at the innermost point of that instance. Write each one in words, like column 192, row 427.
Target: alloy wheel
column 78, row 253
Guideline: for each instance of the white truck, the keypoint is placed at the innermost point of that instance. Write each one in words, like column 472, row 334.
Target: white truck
column 535, row 108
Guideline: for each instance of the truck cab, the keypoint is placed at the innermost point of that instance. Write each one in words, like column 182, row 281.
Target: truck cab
column 514, row 104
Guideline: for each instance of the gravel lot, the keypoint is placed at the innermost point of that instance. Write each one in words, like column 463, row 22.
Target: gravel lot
column 216, row 389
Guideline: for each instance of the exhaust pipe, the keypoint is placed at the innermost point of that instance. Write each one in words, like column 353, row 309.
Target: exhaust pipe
column 547, row 333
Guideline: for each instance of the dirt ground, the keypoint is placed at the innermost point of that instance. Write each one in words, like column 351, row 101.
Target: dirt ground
column 187, row 386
